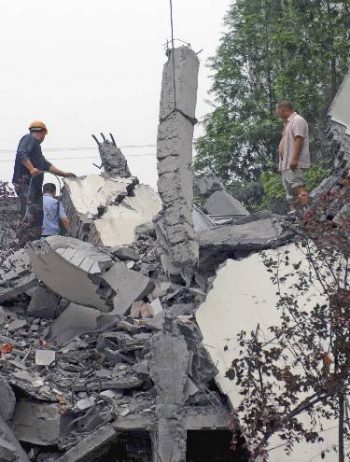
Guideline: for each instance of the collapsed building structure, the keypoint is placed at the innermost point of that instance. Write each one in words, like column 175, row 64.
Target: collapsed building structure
column 101, row 332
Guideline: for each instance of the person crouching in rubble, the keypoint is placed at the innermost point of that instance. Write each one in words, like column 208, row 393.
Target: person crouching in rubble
column 28, row 176
column 294, row 155
column 55, row 218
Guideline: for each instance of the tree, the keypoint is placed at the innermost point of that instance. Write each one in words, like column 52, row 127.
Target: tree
column 304, row 367
column 272, row 49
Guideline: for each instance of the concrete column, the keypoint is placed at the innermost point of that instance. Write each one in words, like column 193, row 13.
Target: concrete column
column 169, row 366
column 179, row 250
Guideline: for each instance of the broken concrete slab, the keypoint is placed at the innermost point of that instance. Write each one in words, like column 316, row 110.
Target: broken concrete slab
column 231, row 308
column 72, row 269
column 222, row 204
column 16, row 276
column 107, row 210
column 174, row 152
column 44, row 303
column 128, row 285
column 92, row 447
column 232, row 240
column 7, row 400
column 10, row 449
column 118, row 224
column 76, row 320
column 37, row 423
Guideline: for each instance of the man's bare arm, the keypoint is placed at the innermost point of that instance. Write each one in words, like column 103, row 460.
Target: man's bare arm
column 298, row 145
column 30, row 167
column 65, row 222
column 58, row 172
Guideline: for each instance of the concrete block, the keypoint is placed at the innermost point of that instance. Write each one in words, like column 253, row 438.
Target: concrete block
column 90, row 448
column 37, row 423
column 72, row 269
column 44, row 357
column 10, row 449
column 44, row 303
column 107, row 210
column 129, row 286
column 222, row 204
column 16, row 276
column 76, row 320
column 7, row 400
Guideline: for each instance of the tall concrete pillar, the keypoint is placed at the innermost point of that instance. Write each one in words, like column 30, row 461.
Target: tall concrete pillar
column 179, row 249
column 169, row 367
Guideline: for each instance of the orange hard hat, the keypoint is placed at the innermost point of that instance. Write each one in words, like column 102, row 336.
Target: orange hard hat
column 37, row 126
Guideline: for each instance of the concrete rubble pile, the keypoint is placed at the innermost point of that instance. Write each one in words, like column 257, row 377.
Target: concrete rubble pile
column 101, row 354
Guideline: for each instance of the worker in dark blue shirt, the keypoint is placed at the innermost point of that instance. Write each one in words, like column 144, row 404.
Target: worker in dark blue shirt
column 28, row 177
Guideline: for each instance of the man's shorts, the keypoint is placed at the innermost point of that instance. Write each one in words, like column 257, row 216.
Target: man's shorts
column 293, row 179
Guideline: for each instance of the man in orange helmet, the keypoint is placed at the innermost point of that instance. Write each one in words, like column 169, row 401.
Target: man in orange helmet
column 28, row 176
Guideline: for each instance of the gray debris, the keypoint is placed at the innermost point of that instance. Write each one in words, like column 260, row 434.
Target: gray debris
column 44, row 357
column 16, row 324
column 37, row 423
column 7, row 400
column 72, row 269
column 92, row 446
column 127, row 253
column 222, row 204
column 44, row 303
column 16, row 276
column 113, row 160
column 10, row 449
column 128, row 285
column 76, row 320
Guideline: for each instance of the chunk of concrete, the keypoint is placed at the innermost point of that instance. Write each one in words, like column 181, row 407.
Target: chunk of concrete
column 76, row 320
column 117, row 226
column 220, row 243
column 44, row 303
column 44, row 357
column 72, row 269
column 222, row 204
column 113, row 161
column 7, row 400
column 16, row 276
column 128, row 285
column 90, row 448
column 10, row 449
column 37, row 423
column 107, row 211
column 233, row 305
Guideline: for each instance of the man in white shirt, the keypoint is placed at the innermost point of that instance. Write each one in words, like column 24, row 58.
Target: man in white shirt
column 294, row 154
column 54, row 213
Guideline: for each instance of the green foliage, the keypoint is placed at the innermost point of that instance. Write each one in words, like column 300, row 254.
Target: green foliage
column 273, row 188
column 271, row 49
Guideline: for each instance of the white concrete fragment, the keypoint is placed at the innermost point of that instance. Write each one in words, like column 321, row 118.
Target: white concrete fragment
column 156, row 307
column 85, row 403
column 93, row 191
column 339, row 111
column 44, row 357
column 242, row 297
column 222, row 204
column 118, row 224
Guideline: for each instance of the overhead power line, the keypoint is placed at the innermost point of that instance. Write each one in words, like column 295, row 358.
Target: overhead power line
column 147, row 154
column 86, row 148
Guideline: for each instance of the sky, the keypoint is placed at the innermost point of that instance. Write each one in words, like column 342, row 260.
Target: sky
column 91, row 66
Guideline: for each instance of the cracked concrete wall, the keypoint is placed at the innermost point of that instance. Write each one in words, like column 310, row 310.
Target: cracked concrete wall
column 179, row 249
